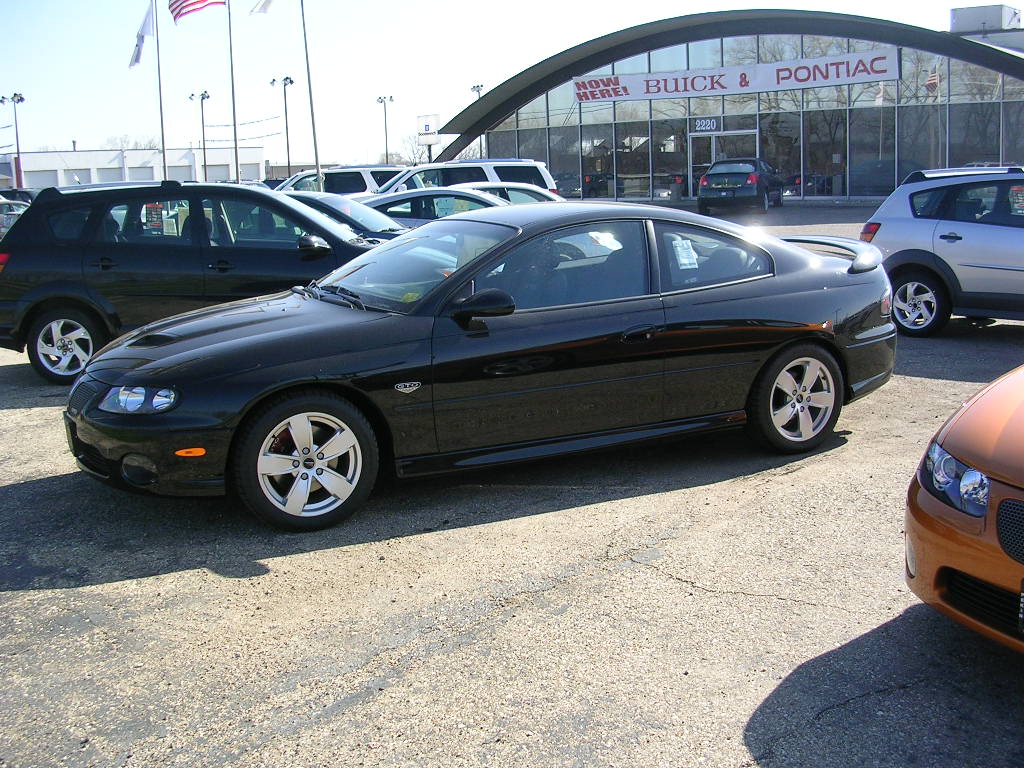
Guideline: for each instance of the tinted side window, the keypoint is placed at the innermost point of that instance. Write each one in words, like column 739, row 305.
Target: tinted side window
column 344, row 183
column 306, row 184
column 463, row 174
column 68, row 225
column 446, row 205
column 248, row 224
column 926, row 203
column 524, row 196
column 382, row 176
column 146, row 222
column 525, row 174
column 594, row 262
column 428, row 178
column 691, row 257
column 973, row 202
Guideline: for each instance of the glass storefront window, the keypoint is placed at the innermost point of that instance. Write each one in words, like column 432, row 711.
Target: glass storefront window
column 924, row 79
column 921, row 138
column 737, row 51
column 824, row 171
column 706, row 53
column 832, row 97
column 706, row 105
column 632, row 110
column 501, row 144
column 668, row 156
column 633, row 159
column 533, row 144
column 597, row 161
column 562, row 106
column 969, row 82
column 780, row 101
column 780, row 146
column 740, row 103
column 1013, row 137
column 509, row 123
column 671, row 59
column 564, row 159
column 873, row 151
column 880, row 94
column 632, row 65
column 1013, row 89
column 597, row 111
column 816, row 46
column 534, row 114
column 666, row 108
column 973, row 134
column 773, row 48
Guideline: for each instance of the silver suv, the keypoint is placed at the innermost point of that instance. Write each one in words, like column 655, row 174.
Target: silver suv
column 953, row 243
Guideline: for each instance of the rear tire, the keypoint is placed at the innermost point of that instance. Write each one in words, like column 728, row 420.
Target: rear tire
column 920, row 305
column 305, row 461
column 795, row 401
column 61, row 341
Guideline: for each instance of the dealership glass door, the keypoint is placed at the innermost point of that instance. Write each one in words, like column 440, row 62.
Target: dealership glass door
column 706, row 148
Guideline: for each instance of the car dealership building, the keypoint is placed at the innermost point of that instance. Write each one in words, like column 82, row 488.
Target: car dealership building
column 844, row 106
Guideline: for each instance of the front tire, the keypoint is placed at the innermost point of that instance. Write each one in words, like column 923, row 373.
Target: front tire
column 795, row 401
column 61, row 341
column 920, row 306
column 306, row 461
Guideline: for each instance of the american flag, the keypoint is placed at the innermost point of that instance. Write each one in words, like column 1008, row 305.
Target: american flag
column 179, row 8
column 933, row 80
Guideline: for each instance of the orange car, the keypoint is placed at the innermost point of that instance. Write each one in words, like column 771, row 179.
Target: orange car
column 965, row 515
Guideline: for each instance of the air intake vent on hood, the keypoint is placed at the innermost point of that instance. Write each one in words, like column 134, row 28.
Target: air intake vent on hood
column 153, row 340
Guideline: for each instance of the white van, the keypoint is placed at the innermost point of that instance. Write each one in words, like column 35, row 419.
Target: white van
column 463, row 171
column 343, row 179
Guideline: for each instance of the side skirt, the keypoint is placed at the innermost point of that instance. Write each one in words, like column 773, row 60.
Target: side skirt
column 411, row 466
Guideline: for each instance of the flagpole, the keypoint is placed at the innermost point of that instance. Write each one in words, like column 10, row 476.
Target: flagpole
column 309, row 85
column 234, row 113
column 159, row 87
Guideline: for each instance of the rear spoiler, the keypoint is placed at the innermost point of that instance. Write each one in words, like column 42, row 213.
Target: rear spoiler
column 865, row 256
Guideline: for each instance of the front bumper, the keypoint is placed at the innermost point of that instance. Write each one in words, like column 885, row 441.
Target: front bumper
column 138, row 452
column 956, row 564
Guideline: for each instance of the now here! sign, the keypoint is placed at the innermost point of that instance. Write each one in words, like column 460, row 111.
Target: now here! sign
column 862, row 67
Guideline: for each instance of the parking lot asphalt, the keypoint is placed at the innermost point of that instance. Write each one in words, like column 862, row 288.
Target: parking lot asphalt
column 689, row 603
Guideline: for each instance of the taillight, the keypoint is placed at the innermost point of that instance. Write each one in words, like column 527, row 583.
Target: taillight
column 869, row 230
column 752, row 178
column 586, row 179
column 3, row 260
column 703, row 181
column 553, row 190
column 678, row 180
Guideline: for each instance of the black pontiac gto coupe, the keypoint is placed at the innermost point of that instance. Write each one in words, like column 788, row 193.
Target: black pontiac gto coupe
column 492, row 336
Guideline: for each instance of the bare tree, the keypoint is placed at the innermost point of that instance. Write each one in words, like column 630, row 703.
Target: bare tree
column 127, row 142
column 414, row 151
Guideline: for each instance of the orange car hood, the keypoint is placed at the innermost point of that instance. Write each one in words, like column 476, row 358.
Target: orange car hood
column 988, row 432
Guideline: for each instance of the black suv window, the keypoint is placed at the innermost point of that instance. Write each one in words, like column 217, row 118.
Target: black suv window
column 344, row 183
column 145, row 221
column 691, row 257
column 68, row 225
column 248, row 224
column 524, row 174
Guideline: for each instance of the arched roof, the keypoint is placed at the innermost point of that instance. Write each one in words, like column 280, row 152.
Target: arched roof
column 562, row 67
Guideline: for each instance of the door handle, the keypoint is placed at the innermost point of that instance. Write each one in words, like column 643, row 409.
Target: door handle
column 638, row 335
column 950, row 237
column 221, row 266
column 104, row 263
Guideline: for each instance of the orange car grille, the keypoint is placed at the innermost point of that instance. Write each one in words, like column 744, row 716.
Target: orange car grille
column 1010, row 526
column 991, row 605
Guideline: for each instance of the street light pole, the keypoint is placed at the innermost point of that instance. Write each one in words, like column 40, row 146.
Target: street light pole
column 15, row 100
column 285, row 82
column 384, row 100
column 477, row 89
column 202, row 119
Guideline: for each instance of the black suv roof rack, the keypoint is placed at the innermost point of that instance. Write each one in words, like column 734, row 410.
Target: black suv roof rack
column 55, row 193
column 972, row 170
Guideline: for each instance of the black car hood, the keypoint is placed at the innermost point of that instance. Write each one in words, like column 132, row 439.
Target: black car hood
column 230, row 339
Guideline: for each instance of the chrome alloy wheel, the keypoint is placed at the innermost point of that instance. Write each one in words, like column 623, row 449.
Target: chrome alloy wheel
column 802, row 400
column 309, row 464
column 915, row 305
column 64, row 347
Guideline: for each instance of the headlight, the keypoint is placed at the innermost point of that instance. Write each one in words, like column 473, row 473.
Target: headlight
column 954, row 482
column 138, row 400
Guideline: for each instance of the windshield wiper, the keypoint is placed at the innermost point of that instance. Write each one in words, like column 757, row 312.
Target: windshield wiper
column 350, row 296
column 312, row 290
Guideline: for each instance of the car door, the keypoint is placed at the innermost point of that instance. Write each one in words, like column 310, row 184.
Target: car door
column 979, row 236
column 577, row 356
column 253, row 248
column 144, row 260
column 719, row 326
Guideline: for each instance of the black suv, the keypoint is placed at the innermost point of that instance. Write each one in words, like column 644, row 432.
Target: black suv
column 80, row 267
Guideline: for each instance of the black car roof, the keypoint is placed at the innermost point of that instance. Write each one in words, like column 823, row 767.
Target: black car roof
column 51, row 194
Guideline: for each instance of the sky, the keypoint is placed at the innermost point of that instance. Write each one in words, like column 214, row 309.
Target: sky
column 69, row 59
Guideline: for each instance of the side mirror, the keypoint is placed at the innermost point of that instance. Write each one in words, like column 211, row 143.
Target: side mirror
column 401, row 188
column 490, row 302
column 313, row 244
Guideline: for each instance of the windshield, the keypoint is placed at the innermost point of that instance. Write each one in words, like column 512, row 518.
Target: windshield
column 366, row 217
column 732, row 168
column 396, row 275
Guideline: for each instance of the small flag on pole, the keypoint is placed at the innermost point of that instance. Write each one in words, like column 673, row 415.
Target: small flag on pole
column 179, row 8
column 146, row 30
column 261, row 7
column 932, row 83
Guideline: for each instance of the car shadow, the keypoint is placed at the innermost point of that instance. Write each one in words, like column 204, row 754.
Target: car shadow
column 919, row 690
column 24, row 388
column 963, row 351
column 71, row 531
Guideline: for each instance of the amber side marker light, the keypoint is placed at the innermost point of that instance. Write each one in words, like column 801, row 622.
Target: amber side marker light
column 868, row 231
column 190, row 452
